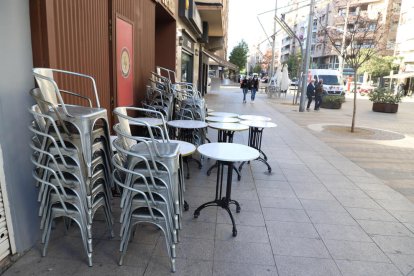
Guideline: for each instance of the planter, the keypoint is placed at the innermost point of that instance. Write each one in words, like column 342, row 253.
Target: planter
column 331, row 105
column 385, row 107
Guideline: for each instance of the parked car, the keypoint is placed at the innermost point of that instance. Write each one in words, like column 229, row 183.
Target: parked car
column 294, row 82
column 362, row 89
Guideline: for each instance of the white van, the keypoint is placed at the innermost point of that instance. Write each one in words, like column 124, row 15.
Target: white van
column 330, row 77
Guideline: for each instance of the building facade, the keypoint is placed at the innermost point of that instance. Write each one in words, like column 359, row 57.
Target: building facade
column 90, row 37
column 333, row 14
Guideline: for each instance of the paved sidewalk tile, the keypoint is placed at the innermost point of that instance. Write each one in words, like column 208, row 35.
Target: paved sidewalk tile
column 325, row 209
column 297, row 266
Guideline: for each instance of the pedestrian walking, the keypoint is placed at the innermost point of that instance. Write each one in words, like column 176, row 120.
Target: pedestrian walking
column 255, row 87
column 244, row 86
column 310, row 93
column 318, row 94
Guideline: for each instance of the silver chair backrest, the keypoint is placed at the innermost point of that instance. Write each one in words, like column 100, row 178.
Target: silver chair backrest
column 121, row 113
column 47, row 84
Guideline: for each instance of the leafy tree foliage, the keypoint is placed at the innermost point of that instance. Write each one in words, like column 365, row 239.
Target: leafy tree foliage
column 257, row 69
column 378, row 66
column 294, row 63
column 238, row 55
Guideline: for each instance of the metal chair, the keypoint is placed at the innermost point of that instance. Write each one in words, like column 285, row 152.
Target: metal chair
column 82, row 119
column 142, row 206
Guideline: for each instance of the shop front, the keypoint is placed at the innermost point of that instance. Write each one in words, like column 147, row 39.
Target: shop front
column 189, row 33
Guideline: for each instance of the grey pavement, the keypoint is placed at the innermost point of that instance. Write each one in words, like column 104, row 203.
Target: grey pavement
column 317, row 213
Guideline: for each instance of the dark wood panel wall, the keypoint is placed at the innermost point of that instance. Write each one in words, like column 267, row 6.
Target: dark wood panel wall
column 165, row 39
column 79, row 36
column 73, row 35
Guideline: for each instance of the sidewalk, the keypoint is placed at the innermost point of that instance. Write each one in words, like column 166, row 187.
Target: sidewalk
column 318, row 213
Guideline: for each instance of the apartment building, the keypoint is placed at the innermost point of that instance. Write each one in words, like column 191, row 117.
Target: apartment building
column 333, row 14
column 404, row 46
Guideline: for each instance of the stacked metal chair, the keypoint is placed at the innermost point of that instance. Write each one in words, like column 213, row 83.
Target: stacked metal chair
column 71, row 157
column 149, row 171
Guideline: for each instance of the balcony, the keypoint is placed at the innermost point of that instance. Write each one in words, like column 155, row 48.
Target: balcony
column 213, row 12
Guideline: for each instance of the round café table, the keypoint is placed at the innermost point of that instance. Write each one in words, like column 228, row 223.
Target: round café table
column 213, row 119
column 225, row 154
column 186, row 129
column 254, row 118
column 223, row 114
column 225, row 135
column 255, row 139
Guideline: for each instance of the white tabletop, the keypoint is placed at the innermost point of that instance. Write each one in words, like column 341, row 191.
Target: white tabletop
column 184, row 148
column 228, row 126
column 259, row 124
column 228, row 152
column 190, row 124
column 209, row 110
column 254, row 118
column 222, row 119
column 148, row 120
column 223, row 114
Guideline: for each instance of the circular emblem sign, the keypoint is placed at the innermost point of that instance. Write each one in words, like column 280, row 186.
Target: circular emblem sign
column 125, row 62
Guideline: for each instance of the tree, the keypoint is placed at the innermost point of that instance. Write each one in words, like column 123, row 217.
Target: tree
column 257, row 69
column 294, row 64
column 238, row 55
column 378, row 66
column 363, row 39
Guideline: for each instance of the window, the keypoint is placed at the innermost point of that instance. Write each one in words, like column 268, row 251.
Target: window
column 372, row 26
column 186, row 67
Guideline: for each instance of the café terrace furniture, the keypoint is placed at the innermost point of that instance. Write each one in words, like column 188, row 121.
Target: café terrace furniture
column 254, row 118
column 225, row 135
column 255, row 139
column 225, row 154
column 213, row 119
column 223, row 114
column 186, row 128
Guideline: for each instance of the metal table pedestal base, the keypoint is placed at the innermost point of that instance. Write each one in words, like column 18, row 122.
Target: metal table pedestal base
column 223, row 202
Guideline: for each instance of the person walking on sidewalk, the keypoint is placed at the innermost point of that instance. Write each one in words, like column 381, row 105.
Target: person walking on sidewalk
column 310, row 93
column 244, row 86
column 318, row 94
column 255, row 86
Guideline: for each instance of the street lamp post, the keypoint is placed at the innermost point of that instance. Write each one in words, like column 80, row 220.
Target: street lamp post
column 273, row 44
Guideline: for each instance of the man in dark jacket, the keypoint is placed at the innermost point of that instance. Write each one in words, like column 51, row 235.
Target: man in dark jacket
column 318, row 94
column 310, row 93
column 255, row 86
column 244, row 87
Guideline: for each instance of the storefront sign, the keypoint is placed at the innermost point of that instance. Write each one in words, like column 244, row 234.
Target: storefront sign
column 190, row 15
column 188, row 43
column 195, row 18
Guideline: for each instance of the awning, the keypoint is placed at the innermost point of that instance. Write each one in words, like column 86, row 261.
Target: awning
column 403, row 75
column 221, row 61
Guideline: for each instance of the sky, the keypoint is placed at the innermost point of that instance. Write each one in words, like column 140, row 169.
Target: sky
column 243, row 23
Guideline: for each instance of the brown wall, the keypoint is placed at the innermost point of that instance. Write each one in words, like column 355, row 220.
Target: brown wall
column 75, row 35
column 68, row 35
column 165, row 39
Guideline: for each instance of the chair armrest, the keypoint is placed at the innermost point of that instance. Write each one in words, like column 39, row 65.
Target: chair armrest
column 77, row 95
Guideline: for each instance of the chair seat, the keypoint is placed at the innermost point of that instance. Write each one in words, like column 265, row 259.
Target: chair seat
column 82, row 111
